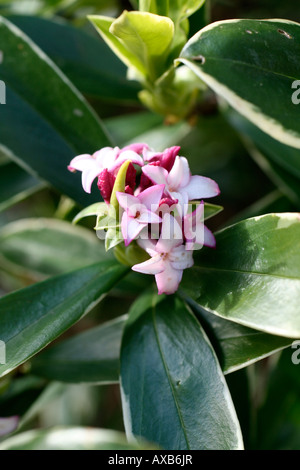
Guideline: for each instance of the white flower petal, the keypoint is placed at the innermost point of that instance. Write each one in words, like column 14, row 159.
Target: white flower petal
column 124, row 157
column 200, row 187
column 171, row 234
column 183, row 201
column 106, row 156
column 169, row 280
column 130, row 228
column 154, row 265
column 129, row 203
column 88, row 177
column 180, row 258
column 83, row 162
column 148, row 217
column 156, row 174
column 179, row 175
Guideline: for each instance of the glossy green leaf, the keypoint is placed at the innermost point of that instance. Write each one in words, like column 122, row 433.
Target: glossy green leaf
column 131, row 38
column 253, row 276
column 130, row 255
column 210, row 210
column 44, row 123
column 177, row 10
column 238, row 346
column 287, row 182
column 77, row 54
column 102, row 25
column 113, row 237
column 92, row 356
column 71, row 438
column 36, row 248
column 182, row 9
column 16, row 185
column 132, row 285
column 105, row 222
column 285, row 156
column 280, row 162
column 33, row 317
column 136, row 31
column 160, row 7
column 252, row 64
column 173, row 390
column 99, row 208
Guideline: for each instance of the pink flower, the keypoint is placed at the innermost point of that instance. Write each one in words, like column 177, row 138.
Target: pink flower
column 155, row 207
column 168, row 257
column 139, row 211
column 180, row 184
column 195, row 232
column 107, row 158
column 165, row 158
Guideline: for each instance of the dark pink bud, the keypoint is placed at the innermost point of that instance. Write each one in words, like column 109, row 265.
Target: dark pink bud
column 168, row 157
column 128, row 190
column 106, row 181
column 145, row 181
column 168, row 201
column 130, row 177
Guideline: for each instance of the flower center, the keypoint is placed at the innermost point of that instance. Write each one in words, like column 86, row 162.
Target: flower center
column 137, row 214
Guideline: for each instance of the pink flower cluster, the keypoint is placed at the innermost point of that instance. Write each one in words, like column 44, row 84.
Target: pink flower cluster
column 155, row 206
